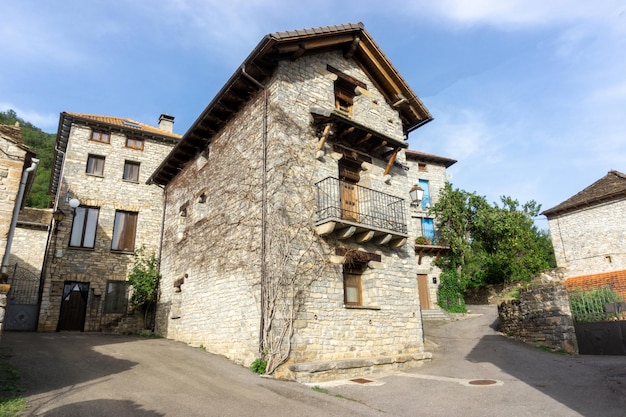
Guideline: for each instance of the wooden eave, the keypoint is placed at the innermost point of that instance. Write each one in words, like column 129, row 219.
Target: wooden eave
column 345, row 131
column 422, row 250
column 248, row 79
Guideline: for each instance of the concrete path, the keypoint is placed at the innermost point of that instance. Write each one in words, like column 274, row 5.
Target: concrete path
column 74, row 374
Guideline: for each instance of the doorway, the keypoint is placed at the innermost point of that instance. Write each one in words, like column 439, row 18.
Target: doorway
column 73, row 306
column 422, row 288
column 348, row 180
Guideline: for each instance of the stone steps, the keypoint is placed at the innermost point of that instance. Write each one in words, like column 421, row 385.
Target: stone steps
column 434, row 315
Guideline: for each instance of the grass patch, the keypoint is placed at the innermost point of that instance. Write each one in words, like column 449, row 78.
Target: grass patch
column 11, row 400
column 317, row 388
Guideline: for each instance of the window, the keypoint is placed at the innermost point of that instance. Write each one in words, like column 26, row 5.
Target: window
column 124, row 229
column 428, row 229
column 100, row 137
column 421, row 166
column 84, row 227
column 95, row 165
column 345, row 89
column 426, row 197
column 134, row 143
column 131, row 171
column 352, row 284
column 115, row 301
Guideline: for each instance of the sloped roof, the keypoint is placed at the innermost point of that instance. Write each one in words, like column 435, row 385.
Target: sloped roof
column 30, row 215
column 109, row 123
column 123, row 122
column 352, row 39
column 427, row 157
column 608, row 188
column 13, row 133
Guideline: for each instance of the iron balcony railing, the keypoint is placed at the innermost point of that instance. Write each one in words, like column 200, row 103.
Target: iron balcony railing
column 350, row 203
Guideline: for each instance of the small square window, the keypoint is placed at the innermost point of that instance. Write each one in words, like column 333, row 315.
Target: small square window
column 131, row 171
column 115, row 301
column 421, row 167
column 95, row 165
column 100, row 137
column 134, row 143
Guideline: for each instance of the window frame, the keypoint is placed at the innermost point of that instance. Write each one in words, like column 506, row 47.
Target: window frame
column 98, row 135
column 119, row 296
column 135, row 143
column 125, row 173
column 354, row 273
column 84, row 221
column 121, row 241
column 91, row 166
column 424, row 184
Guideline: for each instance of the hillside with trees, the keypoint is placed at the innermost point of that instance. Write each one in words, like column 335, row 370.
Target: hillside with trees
column 43, row 145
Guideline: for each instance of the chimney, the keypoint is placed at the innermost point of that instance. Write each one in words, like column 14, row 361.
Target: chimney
column 166, row 122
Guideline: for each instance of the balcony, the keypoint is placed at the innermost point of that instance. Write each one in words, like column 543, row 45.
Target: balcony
column 349, row 210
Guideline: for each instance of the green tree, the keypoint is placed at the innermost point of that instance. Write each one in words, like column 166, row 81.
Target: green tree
column 489, row 243
column 144, row 279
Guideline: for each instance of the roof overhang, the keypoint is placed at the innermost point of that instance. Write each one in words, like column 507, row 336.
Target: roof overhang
column 354, row 42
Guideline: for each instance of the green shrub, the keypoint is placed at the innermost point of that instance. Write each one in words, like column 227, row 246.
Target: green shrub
column 589, row 305
column 450, row 293
column 258, row 366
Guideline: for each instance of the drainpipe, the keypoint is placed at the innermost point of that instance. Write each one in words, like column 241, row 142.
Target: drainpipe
column 263, row 207
column 160, row 254
column 16, row 211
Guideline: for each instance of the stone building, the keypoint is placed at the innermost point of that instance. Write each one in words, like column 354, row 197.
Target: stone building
column 15, row 159
column 107, row 211
column 588, row 233
column 286, row 229
column 429, row 173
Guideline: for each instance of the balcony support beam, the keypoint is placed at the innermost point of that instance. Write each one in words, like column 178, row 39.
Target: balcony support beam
column 392, row 159
column 383, row 239
column 325, row 229
column 346, row 233
column 364, row 236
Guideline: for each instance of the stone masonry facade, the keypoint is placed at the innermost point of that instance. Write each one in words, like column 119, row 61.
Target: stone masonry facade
column 590, row 245
column 591, row 240
column 107, row 193
column 213, row 236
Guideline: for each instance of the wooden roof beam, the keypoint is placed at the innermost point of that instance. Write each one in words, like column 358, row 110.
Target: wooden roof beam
column 364, row 139
column 352, row 49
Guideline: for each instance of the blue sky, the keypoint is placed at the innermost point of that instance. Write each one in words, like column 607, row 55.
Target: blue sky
column 529, row 96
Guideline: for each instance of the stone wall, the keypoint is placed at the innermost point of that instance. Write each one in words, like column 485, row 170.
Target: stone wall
column 213, row 236
column 12, row 157
column 109, row 193
column 541, row 316
column 590, row 240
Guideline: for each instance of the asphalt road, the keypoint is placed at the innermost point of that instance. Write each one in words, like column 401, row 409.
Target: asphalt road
column 96, row 375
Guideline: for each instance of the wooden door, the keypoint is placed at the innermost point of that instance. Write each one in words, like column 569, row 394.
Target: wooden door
column 73, row 306
column 348, row 179
column 422, row 288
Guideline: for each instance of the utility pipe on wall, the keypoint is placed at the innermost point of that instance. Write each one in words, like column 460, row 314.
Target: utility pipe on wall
column 16, row 211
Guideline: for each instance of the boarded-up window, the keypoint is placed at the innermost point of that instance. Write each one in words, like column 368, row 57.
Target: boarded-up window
column 124, row 230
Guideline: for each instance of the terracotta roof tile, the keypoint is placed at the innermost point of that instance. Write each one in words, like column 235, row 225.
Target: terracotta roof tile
column 610, row 187
column 125, row 123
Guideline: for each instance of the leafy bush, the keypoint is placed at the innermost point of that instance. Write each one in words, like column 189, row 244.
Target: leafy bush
column 258, row 366
column 450, row 293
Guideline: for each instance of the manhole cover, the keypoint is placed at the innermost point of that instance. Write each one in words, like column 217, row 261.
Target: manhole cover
column 482, row 382
column 361, row 380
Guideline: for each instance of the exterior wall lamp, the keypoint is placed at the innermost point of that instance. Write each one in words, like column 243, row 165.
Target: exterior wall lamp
column 58, row 216
column 74, row 203
column 417, row 194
